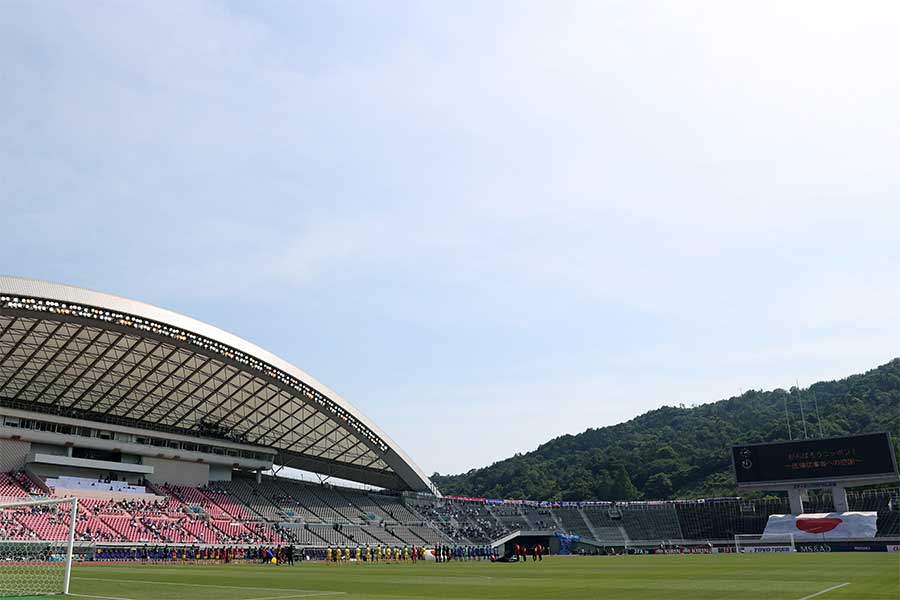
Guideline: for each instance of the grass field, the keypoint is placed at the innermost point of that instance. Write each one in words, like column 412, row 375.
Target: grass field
column 733, row 577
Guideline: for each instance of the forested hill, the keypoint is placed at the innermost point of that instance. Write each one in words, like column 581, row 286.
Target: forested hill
column 684, row 452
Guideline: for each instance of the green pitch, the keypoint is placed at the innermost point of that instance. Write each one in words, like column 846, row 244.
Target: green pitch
column 716, row 577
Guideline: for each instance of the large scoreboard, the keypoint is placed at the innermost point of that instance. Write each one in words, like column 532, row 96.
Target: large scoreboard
column 865, row 458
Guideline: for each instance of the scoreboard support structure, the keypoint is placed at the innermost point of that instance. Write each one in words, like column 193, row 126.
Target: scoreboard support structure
column 795, row 495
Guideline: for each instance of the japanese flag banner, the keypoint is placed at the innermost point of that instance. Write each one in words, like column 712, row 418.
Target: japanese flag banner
column 823, row 526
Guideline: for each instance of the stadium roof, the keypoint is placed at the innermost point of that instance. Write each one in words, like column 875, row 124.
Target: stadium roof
column 80, row 353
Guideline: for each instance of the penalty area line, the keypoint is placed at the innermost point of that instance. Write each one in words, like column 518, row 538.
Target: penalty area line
column 825, row 591
column 94, row 596
column 287, row 592
column 308, row 595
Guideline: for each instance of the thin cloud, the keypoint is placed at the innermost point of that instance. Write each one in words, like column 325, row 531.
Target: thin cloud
column 451, row 214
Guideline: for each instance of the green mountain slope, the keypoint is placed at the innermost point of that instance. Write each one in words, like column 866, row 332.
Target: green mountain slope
column 683, row 452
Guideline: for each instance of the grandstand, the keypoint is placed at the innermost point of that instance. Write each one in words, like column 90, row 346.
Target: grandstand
column 165, row 429
column 207, row 515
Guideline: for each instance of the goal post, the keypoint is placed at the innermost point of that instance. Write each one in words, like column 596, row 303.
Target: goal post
column 36, row 541
column 753, row 543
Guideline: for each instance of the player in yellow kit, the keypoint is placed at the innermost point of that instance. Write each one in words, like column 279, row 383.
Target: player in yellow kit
column 328, row 554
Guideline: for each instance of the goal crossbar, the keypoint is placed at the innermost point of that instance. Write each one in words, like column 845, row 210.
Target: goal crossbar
column 7, row 503
column 746, row 543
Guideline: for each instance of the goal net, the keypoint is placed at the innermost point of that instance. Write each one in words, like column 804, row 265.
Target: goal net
column 764, row 543
column 36, row 538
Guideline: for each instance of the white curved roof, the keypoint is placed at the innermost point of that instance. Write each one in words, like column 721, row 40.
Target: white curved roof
column 74, row 351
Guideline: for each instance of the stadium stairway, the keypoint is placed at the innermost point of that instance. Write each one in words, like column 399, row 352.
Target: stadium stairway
column 398, row 512
column 305, row 498
column 603, row 526
column 573, row 521
column 590, row 525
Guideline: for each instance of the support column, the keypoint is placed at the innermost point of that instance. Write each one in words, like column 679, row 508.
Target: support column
column 796, row 500
column 839, row 494
column 258, row 476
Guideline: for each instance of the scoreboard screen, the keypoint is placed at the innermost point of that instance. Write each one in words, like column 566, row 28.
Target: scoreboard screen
column 857, row 456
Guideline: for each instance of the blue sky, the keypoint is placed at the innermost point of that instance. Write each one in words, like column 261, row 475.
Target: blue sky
column 484, row 223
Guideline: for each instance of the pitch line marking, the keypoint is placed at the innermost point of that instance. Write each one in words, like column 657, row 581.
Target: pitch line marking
column 825, row 591
column 310, row 595
column 209, row 585
column 93, row 596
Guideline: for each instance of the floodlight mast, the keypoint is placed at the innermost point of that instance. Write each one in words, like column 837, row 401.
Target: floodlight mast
column 802, row 413
column 787, row 417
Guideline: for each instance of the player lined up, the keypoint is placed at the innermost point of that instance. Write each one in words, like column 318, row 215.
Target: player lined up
column 448, row 553
column 378, row 553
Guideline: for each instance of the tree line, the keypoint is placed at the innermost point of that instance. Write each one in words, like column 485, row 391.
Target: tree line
column 678, row 452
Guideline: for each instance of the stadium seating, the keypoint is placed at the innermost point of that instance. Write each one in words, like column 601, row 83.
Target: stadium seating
column 230, row 506
column 879, row 499
column 397, row 512
column 539, row 518
column 10, row 487
column 465, row 522
column 888, row 523
column 276, row 511
column 509, row 516
column 253, row 498
column 46, row 525
column 364, row 535
column 303, row 536
column 13, row 529
column 338, row 503
column 194, row 498
column 300, row 496
column 428, row 535
column 607, row 524
column 404, row 535
column 330, row 535
column 93, row 529
column 368, row 508
column 573, row 522
column 656, row 521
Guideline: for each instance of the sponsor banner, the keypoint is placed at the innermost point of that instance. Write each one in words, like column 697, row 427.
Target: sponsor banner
column 830, row 547
column 698, row 550
column 823, row 526
column 893, row 548
column 767, row 549
column 465, row 498
column 694, row 550
column 813, row 486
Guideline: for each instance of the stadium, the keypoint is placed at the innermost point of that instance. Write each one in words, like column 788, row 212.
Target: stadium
column 140, row 453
